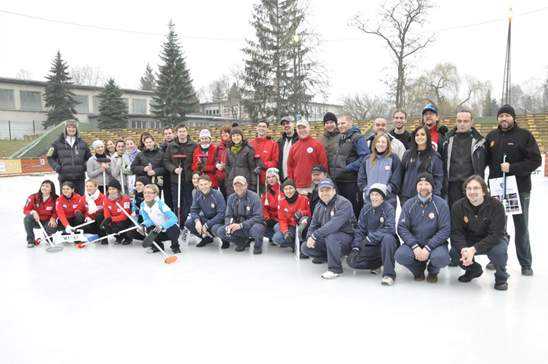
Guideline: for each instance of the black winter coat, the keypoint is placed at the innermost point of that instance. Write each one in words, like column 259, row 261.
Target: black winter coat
column 185, row 151
column 69, row 162
column 241, row 164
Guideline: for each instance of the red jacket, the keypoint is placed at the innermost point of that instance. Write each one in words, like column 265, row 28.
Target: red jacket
column 66, row 208
column 198, row 165
column 270, row 210
column 114, row 212
column 45, row 209
column 303, row 155
column 99, row 202
column 286, row 212
column 268, row 150
column 435, row 136
column 220, row 157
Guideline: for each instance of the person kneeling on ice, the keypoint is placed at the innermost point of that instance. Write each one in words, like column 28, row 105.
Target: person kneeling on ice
column 243, row 218
column 91, row 205
column 115, row 219
column 478, row 226
column 40, row 207
column 207, row 212
column 375, row 240
column 424, row 226
column 66, row 207
column 331, row 231
column 159, row 220
column 294, row 211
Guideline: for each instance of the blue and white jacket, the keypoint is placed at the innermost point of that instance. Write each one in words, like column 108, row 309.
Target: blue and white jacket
column 158, row 214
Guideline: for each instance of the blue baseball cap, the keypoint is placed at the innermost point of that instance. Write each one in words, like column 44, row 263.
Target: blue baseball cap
column 430, row 107
column 326, row 182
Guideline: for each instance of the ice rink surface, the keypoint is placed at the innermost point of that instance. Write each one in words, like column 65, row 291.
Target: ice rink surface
column 116, row 304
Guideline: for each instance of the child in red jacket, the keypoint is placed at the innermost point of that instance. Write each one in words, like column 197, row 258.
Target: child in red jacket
column 115, row 219
column 40, row 206
column 92, row 206
column 294, row 209
column 67, row 206
column 270, row 201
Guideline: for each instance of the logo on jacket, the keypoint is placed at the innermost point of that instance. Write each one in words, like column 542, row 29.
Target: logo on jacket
column 309, row 150
column 386, row 168
column 212, row 205
column 332, row 213
column 492, row 144
column 248, row 208
column 466, row 219
column 382, row 220
column 431, row 215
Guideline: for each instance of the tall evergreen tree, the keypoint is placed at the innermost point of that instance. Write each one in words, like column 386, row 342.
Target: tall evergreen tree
column 174, row 95
column 58, row 97
column 148, row 81
column 112, row 108
column 278, row 76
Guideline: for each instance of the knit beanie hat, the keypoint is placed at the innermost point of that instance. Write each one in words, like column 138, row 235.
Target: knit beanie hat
column 425, row 176
column 507, row 109
column 329, row 116
column 378, row 187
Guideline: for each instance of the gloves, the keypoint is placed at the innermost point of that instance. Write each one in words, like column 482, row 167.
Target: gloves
column 68, row 229
column 88, row 219
column 298, row 215
column 257, row 170
column 270, row 223
column 158, row 229
column 106, row 222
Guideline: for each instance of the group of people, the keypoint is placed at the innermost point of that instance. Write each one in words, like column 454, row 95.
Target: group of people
column 331, row 197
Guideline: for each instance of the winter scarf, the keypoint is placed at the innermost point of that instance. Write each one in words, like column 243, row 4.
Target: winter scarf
column 90, row 200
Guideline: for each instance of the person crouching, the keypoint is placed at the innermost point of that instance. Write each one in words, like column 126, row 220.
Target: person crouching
column 159, row 219
column 115, row 219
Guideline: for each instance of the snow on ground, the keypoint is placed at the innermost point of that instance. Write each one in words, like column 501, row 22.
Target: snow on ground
column 116, row 304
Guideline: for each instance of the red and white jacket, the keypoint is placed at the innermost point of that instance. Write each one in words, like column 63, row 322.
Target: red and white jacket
column 286, row 212
column 303, row 155
column 99, row 202
column 113, row 211
column 66, row 208
column 220, row 157
column 45, row 209
column 198, row 165
column 268, row 151
column 270, row 209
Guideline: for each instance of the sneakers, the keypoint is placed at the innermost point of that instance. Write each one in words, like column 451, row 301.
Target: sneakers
column 151, row 250
column 30, row 245
column 225, row 245
column 490, row 266
column 526, row 271
column 330, row 275
column 302, row 256
column 502, row 286
column 318, row 260
column 242, row 246
column 184, row 235
column 204, row 242
column 432, row 278
column 257, row 250
column 176, row 250
column 419, row 277
column 470, row 274
column 387, row 281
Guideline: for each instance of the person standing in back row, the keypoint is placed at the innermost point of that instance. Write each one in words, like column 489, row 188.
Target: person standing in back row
column 514, row 151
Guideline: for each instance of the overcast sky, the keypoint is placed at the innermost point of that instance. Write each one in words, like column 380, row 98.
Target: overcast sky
column 213, row 31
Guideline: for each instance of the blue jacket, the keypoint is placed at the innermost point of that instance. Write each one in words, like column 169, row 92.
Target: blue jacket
column 211, row 206
column 336, row 216
column 160, row 209
column 385, row 170
column 425, row 225
column 411, row 168
column 246, row 210
column 373, row 224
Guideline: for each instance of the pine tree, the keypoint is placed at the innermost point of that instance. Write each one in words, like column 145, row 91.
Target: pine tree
column 58, row 97
column 148, row 81
column 278, row 78
column 112, row 108
column 174, row 96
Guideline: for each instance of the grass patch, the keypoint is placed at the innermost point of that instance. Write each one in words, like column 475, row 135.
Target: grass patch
column 8, row 147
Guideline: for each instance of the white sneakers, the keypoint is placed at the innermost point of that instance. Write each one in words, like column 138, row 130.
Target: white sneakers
column 330, row 275
column 387, row 281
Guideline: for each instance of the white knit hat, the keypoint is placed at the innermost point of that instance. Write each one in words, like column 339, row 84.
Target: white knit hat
column 205, row 133
column 97, row 143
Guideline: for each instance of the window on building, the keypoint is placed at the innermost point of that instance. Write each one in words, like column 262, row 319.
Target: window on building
column 139, row 106
column 31, row 101
column 96, row 104
column 83, row 104
column 7, row 100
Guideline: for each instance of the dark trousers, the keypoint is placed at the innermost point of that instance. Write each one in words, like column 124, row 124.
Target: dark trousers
column 375, row 255
column 115, row 227
column 521, row 227
column 454, row 193
column 349, row 190
column 76, row 220
column 186, row 199
column 498, row 255
column 166, row 190
column 79, row 185
column 242, row 236
column 31, row 224
column 439, row 258
column 171, row 234
column 190, row 225
column 333, row 246
column 93, row 228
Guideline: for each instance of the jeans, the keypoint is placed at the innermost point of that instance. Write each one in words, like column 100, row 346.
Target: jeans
column 31, row 224
column 521, row 227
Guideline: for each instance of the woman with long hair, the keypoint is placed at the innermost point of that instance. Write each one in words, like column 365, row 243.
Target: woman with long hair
column 40, row 207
